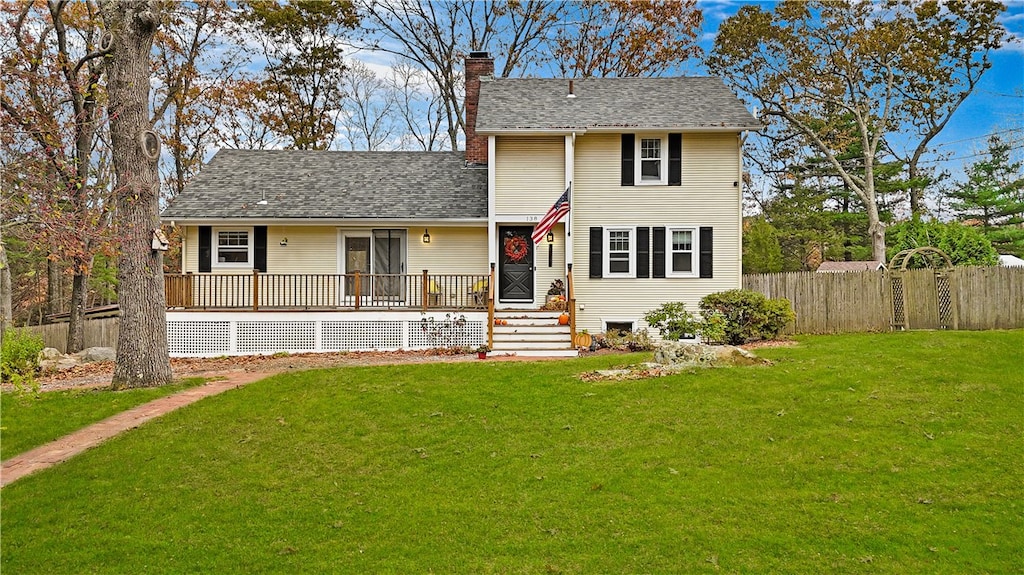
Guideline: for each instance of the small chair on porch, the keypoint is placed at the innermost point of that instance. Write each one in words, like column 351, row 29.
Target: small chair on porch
column 434, row 294
column 479, row 292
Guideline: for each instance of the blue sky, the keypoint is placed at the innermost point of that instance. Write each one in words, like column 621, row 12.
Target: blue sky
column 997, row 105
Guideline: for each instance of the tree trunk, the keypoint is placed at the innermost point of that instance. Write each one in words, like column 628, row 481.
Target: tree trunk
column 54, row 288
column 6, row 287
column 142, row 355
column 76, row 314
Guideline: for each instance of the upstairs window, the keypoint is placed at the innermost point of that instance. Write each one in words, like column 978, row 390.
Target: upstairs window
column 652, row 159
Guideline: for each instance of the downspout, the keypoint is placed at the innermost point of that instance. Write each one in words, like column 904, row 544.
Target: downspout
column 741, row 139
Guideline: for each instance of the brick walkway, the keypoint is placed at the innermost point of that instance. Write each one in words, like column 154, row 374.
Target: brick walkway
column 70, row 445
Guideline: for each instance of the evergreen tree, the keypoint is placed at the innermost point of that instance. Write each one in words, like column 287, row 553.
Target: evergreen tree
column 762, row 252
column 993, row 196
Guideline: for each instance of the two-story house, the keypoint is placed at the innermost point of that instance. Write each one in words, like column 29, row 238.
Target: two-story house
column 325, row 251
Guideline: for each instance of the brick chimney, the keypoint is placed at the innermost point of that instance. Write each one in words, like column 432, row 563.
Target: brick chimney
column 478, row 65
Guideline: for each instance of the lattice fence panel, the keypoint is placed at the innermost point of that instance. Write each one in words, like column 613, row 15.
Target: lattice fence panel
column 198, row 338
column 472, row 334
column 945, row 302
column 899, row 317
column 271, row 336
column 361, row 335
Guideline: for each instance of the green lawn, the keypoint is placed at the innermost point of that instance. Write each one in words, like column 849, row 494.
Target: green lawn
column 887, row 453
column 28, row 421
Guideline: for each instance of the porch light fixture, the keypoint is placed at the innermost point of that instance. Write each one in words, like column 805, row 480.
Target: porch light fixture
column 284, row 242
column 426, row 236
column 551, row 237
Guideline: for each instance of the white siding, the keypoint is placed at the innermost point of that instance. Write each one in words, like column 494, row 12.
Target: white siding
column 310, row 250
column 708, row 197
column 314, row 250
column 529, row 173
column 190, row 250
column 450, row 251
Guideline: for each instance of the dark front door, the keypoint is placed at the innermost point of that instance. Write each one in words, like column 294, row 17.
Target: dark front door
column 515, row 263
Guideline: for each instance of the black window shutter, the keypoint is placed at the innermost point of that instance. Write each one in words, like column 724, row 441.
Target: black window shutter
column 628, row 151
column 596, row 252
column 205, row 248
column 643, row 252
column 658, row 268
column 675, row 159
column 706, row 253
column 259, row 250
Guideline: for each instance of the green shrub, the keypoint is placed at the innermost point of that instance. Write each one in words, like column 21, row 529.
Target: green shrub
column 672, row 321
column 19, row 358
column 712, row 327
column 748, row 315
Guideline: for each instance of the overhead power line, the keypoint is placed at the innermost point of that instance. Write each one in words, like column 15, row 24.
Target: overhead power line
column 981, row 137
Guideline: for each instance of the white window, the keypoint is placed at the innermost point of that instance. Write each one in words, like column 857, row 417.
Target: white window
column 682, row 252
column 620, row 258
column 652, row 155
column 233, row 249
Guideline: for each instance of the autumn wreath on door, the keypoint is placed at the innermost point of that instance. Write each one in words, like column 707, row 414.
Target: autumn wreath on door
column 516, row 248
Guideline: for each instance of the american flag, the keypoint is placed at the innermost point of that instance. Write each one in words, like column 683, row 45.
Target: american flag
column 557, row 212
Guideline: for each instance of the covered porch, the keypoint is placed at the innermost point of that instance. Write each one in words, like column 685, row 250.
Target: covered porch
column 252, row 313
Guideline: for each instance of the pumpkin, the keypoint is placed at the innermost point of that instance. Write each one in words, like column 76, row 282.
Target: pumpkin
column 563, row 319
column 584, row 340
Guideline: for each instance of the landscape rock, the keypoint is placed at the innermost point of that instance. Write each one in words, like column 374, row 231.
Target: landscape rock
column 49, row 353
column 92, row 354
column 673, row 353
column 62, row 363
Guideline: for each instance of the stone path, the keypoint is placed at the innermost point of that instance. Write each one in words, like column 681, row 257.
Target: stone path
column 70, row 445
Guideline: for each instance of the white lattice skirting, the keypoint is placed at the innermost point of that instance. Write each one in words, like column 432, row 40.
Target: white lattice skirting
column 212, row 334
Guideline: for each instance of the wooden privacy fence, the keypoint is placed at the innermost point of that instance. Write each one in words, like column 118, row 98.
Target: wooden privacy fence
column 100, row 332
column 982, row 298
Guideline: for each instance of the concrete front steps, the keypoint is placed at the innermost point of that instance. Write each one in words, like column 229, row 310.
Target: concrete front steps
column 531, row 333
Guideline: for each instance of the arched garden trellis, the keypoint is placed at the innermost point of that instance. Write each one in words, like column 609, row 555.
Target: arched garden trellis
column 942, row 266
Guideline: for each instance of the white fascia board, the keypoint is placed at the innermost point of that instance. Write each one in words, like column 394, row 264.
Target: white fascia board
column 532, row 131
column 296, row 222
column 659, row 129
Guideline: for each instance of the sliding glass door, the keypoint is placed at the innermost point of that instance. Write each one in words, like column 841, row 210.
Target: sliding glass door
column 379, row 255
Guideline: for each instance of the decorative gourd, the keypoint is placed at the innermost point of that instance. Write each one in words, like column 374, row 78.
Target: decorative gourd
column 563, row 319
column 584, row 340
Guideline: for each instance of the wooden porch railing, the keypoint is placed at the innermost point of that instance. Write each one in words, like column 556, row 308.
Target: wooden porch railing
column 257, row 291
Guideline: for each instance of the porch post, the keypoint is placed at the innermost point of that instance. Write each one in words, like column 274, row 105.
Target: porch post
column 570, row 170
column 357, row 289
column 425, row 290
column 490, row 309
column 255, row 290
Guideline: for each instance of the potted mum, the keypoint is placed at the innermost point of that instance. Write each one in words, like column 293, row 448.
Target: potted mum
column 481, row 352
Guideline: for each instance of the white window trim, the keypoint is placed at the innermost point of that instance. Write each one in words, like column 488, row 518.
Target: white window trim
column 694, row 250
column 634, row 321
column 215, row 255
column 638, row 160
column 607, row 252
